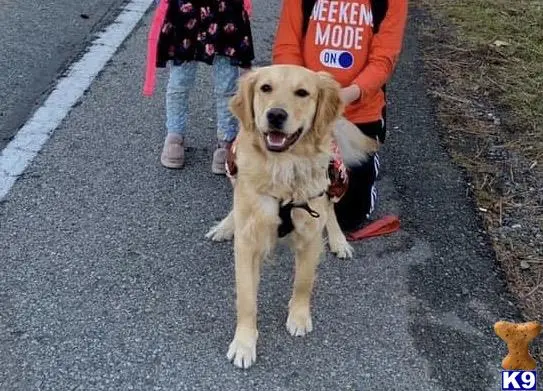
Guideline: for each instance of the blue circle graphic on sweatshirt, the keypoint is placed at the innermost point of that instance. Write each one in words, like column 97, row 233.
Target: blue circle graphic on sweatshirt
column 336, row 59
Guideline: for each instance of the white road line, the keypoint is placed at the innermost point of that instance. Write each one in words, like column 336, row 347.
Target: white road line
column 31, row 138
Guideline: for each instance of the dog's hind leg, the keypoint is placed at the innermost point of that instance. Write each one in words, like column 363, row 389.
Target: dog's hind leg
column 223, row 230
column 336, row 239
column 307, row 258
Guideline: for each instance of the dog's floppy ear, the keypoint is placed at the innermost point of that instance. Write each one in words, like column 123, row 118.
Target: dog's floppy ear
column 241, row 104
column 330, row 105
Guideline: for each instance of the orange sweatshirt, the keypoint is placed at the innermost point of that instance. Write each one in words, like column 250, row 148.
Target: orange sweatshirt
column 340, row 41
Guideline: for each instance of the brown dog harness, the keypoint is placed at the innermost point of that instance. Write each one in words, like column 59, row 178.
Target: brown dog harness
column 339, row 182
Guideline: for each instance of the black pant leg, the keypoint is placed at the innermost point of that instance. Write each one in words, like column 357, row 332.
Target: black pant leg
column 353, row 208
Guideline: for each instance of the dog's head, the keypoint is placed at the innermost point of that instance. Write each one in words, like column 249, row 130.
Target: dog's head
column 285, row 105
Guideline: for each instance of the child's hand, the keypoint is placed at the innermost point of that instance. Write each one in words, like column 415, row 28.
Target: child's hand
column 350, row 94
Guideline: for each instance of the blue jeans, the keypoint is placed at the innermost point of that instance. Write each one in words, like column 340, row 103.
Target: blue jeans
column 180, row 84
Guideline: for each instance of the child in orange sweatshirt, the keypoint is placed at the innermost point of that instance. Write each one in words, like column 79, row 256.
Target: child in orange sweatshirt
column 359, row 45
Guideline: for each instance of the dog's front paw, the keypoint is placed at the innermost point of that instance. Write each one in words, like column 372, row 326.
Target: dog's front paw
column 242, row 350
column 341, row 247
column 299, row 321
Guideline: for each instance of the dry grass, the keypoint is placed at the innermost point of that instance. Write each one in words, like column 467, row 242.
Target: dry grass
column 485, row 59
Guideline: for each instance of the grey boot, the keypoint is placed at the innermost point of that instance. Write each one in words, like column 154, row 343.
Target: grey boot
column 173, row 154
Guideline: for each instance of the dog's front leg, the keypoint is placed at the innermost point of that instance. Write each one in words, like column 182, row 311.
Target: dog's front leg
column 254, row 238
column 307, row 255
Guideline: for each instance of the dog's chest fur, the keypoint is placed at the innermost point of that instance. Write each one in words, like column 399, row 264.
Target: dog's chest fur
column 285, row 176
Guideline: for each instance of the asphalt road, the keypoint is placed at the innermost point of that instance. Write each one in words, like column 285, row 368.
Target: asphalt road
column 39, row 39
column 107, row 281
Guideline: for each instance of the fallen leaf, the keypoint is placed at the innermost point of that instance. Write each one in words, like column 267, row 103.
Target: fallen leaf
column 524, row 265
column 499, row 43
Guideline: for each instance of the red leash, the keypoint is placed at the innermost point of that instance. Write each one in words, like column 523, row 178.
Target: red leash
column 152, row 43
column 383, row 226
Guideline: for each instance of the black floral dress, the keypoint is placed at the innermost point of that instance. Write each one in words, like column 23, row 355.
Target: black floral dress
column 197, row 30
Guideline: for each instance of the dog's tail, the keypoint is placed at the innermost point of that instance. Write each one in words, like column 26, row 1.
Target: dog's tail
column 354, row 146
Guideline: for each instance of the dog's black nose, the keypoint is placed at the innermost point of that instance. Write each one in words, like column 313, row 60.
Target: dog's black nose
column 277, row 117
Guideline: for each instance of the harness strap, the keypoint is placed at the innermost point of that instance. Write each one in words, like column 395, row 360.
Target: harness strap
column 338, row 174
column 287, row 225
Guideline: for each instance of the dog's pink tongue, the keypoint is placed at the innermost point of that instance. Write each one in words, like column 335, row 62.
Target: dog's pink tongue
column 276, row 138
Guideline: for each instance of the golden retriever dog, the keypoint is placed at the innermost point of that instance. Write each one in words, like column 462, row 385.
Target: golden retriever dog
column 288, row 118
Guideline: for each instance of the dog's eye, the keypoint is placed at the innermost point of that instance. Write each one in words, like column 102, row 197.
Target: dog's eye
column 301, row 93
column 266, row 88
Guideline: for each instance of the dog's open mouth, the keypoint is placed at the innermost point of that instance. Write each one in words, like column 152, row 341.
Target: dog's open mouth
column 277, row 141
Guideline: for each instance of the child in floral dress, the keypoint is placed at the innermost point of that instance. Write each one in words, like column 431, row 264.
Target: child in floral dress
column 214, row 32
